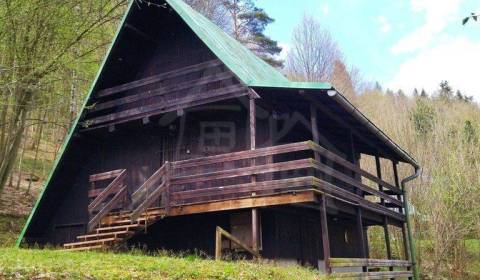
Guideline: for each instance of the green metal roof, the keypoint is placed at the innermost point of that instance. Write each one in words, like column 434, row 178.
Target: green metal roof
column 249, row 68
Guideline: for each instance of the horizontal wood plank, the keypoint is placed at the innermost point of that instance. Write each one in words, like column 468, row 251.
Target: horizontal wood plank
column 247, row 154
column 242, row 188
column 168, row 105
column 105, row 175
column 345, row 163
column 158, row 78
column 357, row 262
column 355, row 183
column 374, row 275
column 244, row 171
column 162, row 91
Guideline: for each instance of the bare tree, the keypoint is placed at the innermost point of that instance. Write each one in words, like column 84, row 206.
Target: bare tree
column 313, row 52
column 212, row 9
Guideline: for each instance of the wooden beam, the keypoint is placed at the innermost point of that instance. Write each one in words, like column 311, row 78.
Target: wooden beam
column 219, row 232
column 164, row 107
column 244, row 171
column 314, row 127
column 245, row 203
column 157, row 78
column 354, row 183
column 105, row 175
column 345, row 163
column 397, row 181
column 360, row 233
column 273, row 150
column 356, row 262
column 163, row 90
column 325, row 234
column 255, row 230
column 379, row 176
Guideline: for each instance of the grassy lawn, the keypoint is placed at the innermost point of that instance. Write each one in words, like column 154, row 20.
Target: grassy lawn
column 49, row 264
column 10, row 227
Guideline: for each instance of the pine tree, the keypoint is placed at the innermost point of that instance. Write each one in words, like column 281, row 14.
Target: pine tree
column 423, row 94
column 248, row 24
column 415, row 93
column 446, row 92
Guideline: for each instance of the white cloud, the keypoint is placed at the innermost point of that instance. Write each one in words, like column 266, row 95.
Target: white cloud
column 438, row 14
column 385, row 26
column 285, row 49
column 325, row 10
column 455, row 60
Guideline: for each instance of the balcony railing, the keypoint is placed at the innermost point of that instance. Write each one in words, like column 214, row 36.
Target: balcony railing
column 264, row 172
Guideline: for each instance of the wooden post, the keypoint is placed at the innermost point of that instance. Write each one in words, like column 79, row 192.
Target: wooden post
column 399, row 197
column 315, row 135
column 354, row 174
column 325, row 237
column 361, row 236
column 218, row 244
column 253, row 125
column 379, row 175
column 167, row 187
column 255, row 230
column 397, row 181
column 387, row 240
column 252, row 121
column 314, row 127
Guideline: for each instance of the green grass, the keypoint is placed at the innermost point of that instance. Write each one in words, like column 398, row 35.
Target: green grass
column 10, row 227
column 49, row 264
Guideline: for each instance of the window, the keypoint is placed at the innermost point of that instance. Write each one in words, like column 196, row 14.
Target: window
column 217, row 136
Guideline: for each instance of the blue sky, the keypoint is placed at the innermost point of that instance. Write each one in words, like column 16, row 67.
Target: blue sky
column 400, row 43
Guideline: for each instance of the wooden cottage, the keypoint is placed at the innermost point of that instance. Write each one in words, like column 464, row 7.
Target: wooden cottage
column 189, row 142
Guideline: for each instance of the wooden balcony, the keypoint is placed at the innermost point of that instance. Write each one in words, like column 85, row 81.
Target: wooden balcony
column 289, row 169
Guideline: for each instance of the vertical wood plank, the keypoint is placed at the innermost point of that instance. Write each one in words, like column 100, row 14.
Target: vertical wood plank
column 252, row 121
column 218, row 244
column 168, row 195
column 361, row 236
column 397, row 181
column 379, row 175
column 325, row 237
column 315, row 135
column 255, row 230
column 253, row 127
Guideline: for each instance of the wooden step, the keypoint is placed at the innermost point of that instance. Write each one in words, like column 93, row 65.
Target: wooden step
column 117, row 228
column 86, row 248
column 113, row 234
column 373, row 275
column 122, row 222
column 91, row 242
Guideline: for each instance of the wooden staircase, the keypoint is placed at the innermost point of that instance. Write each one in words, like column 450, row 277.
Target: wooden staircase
column 107, row 228
column 115, row 229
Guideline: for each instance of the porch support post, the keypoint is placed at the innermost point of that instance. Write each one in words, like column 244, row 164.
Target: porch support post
column 314, row 127
column 399, row 197
column 253, row 124
column 379, row 175
column 325, row 237
column 255, row 230
column 361, row 236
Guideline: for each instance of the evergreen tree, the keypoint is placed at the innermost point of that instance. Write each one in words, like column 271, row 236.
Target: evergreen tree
column 446, row 91
column 415, row 93
column 423, row 94
column 245, row 22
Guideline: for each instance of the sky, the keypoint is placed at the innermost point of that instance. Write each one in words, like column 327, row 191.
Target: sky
column 402, row 44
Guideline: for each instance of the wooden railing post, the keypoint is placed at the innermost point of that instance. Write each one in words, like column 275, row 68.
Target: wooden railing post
column 325, row 237
column 361, row 236
column 168, row 167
